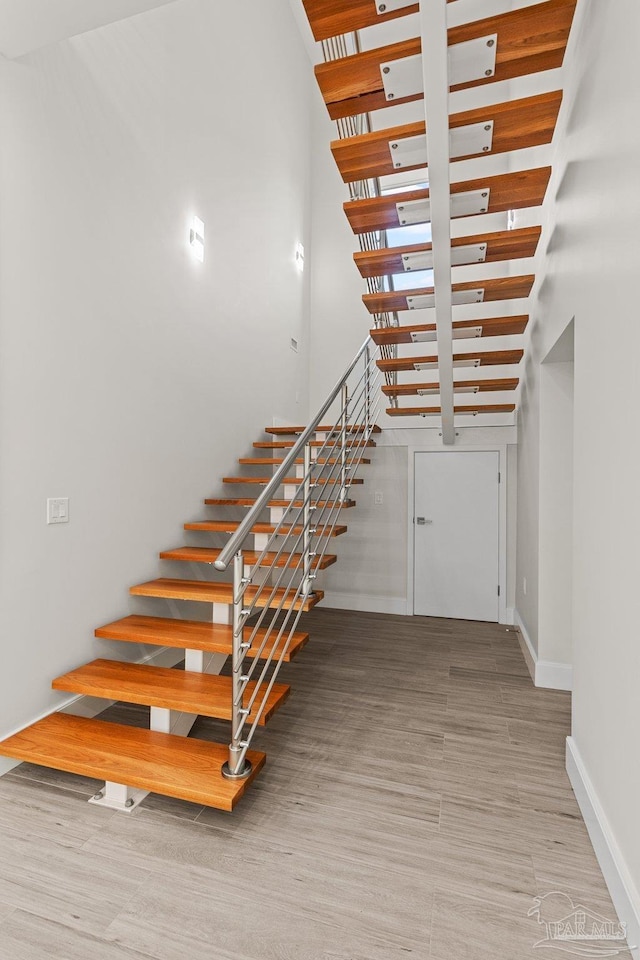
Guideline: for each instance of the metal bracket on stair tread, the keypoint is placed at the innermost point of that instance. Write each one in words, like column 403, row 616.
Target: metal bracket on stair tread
column 433, row 365
column 468, row 61
column 389, row 6
column 470, row 203
column 460, row 255
column 429, row 336
column 423, row 301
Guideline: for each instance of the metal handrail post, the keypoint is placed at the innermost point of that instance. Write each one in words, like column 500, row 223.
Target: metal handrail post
column 307, row 577
column 343, row 441
column 237, row 767
column 367, row 388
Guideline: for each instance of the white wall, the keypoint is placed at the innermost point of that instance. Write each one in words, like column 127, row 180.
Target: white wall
column 132, row 377
column 556, row 513
column 590, row 272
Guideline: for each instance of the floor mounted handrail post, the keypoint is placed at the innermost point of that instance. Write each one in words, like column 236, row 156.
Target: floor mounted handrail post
column 343, row 441
column 237, row 767
column 306, row 524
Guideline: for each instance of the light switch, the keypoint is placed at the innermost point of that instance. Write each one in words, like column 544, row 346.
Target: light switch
column 58, row 510
column 378, row 498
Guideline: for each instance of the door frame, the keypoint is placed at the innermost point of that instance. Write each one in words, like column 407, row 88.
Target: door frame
column 505, row 615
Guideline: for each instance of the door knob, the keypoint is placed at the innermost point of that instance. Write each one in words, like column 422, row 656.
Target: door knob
column 421, row 521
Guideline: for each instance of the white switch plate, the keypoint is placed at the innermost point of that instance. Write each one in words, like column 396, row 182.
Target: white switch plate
column 378, row 498
column 58, row 510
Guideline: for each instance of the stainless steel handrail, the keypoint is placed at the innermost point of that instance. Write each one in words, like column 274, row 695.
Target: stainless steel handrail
column 261, row 503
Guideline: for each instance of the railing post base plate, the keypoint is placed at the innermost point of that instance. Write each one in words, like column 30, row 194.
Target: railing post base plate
column 228, row 775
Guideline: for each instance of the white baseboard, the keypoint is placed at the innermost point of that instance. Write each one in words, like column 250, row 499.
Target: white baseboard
column 624, row 893
column 82, row 706
column 545, row 673
column 366, row 603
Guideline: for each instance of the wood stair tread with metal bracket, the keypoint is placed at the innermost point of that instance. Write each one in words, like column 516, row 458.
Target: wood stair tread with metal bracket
column 462, row 329
column 204, row 694
column 203, row 591
column 435, row 411
column 174, row 766
column 479, row 291
column 330, row 18
column 193, row 635
column 473, row 386
column 325, row 444
column 276, row 461
column 507, row 191
column 230, row 526
column 249, row 502
column 482, row 248
column 290, row 481
column 513, row 44
column 484, row 358
column 328, row 428
column 250, row 557
column 513, row 125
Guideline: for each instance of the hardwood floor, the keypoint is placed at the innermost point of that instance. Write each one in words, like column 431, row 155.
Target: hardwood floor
column 414, row 802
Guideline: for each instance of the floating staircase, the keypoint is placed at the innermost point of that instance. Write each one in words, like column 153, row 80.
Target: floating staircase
column 398, row 173
column 252, row 624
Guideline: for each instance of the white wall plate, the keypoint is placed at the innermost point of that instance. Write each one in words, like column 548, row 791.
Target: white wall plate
column 462, row 205
column 468, row 61
column 470, row 140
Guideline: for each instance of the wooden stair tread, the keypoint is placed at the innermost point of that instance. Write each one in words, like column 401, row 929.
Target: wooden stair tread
column 163, row 763
column 492, row 327
column 517, row 124
column 465, row 409
column 210, row 555
column 503, row 245
column 290, row 481
column 329, row 18
column 498, row 288
column 249, row 502
column 326, row 444
column 170, row 588
column 276, row 461
column 507, row 191
column 192, row 635
column 487, row 358
column 204, row 694
column 528, row 41
column 327, row 428
column 230, row 526
column 484, row 386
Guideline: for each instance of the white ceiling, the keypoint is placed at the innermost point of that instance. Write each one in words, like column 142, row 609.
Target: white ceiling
column 26, row 25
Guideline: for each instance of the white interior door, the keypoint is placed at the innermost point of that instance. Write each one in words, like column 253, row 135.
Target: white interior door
column 456, row 538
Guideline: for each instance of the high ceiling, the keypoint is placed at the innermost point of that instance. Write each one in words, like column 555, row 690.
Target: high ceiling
column 26, row 25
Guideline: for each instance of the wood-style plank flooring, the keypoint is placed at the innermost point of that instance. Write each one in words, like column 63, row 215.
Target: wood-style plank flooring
column 414, row 802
